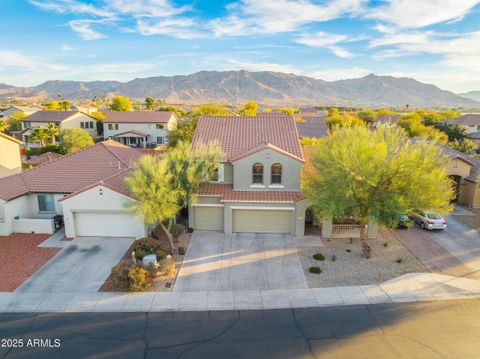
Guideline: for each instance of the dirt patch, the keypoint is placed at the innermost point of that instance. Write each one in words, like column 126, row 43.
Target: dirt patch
column 160, row 283
column 20, row 257
column 344, row 264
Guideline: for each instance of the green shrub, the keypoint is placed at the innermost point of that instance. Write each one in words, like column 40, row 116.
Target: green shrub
column 319, row 257
column 49, row 148
column 348, row 250
column 139, row 280
column 334, row 258
column 167, row 266
column 119, row 276
column 145, row 246
column 181, row 251
column 315, row 270
column 385, row 244
column 176, row 230
column 28, row 152
column 399, row 260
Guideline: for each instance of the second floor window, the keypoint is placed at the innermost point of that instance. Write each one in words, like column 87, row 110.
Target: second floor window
column 276, row 173
column 160, row 126
column 257, row 172
column 27, row 125
column 113, row 126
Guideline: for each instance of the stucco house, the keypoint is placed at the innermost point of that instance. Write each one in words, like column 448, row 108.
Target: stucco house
column 86, row 187
column 139, row 128
column 10, row 160
column 27, row 110
column 470, row 122
column 258, row 184
column 63, row 119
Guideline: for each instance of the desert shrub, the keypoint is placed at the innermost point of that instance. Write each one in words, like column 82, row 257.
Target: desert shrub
column 119, row 276
column 399, row 260
column 319, row 257
column 315, row 270
column 348, row 250
column 385, row 244
column 167, row 266
column 28, row 152
column 181, row 251
column 145, row 246
column 139, row 279
column 334, row 258
column 176, row 230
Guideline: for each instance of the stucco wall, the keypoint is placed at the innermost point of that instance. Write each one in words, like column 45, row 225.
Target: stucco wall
column 242, row 172
column 458, row 167
column 142, row 127
column 19, row 206
column 74, row 122
column 10, row 161
column 97, row 199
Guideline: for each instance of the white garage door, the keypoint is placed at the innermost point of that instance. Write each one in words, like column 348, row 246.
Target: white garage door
column 208, row 218
column 107, row 225
column 262, row 221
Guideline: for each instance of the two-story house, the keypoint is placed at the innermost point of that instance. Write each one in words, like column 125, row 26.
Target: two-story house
column 10, row 162
column 27, row 110
column 470, row 122
column 63, row 119
column 258, row 184
column 139, row 128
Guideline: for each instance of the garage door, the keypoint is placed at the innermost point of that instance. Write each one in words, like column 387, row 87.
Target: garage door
column 107, row 225
column 262, row 221
column 208, row 218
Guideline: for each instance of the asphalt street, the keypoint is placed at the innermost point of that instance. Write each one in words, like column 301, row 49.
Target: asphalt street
column 438, row 329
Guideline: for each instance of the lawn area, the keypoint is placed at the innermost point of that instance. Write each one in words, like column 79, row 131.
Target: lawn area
column 20, row 258
column 344, row 264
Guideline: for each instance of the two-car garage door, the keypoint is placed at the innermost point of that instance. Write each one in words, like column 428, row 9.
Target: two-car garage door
column 262, row 221
column 107, row 224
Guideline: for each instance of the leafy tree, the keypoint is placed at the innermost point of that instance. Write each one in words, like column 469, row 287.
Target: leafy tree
column 367, row 115
column 412, row 124
column 365, row 174
column 384, row 111
column 99, row 116
column 64, row 105
column 39, row 134
column 449, row 114
column 74, row 139
column 453, row 130
column 466, row 145
column 51, row 106
column 209, row 110
column 3, row 125
column 150, row 103
column 156, row 201
column 288, row 110
column 52, row 131
column 178, row 111
column 183, row 133
column 121, row 103
column 192, row 167
column 250, row 109
column 14, row 122
column 310, row 141
column 335, row 120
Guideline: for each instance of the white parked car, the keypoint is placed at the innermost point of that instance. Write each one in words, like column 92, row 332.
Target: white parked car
column 429, row 220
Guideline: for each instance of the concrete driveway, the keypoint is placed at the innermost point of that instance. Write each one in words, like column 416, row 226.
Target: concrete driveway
column 242, row 261
column 81, row 266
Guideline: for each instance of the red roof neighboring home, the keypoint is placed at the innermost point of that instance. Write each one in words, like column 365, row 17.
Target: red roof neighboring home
column 138, row 116
column 49, row 116
column 466, row 120
column 72, row 172
column 43, row 158
column 227, row 194
column 10, row 138
column 312, row 127
column 238, row 135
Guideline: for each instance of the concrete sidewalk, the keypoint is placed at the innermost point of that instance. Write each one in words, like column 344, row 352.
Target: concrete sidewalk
column 408, row 288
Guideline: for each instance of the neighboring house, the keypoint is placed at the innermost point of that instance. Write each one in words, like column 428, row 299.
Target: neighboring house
column 85, row 108
column 315, row 127
column 475, row 137
column 63, row 119
column 139, row 128
column 41, row 159
column 471, row 122
column 86, row 187
column 10, row 161
column 258, row 184
column 27, row 110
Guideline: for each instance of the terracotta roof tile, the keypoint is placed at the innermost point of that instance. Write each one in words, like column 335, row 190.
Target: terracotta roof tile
column 239, row 134
column 49, row 116
column 466, row 120
column 137, row 116
column 227, row 194
column 265, row 146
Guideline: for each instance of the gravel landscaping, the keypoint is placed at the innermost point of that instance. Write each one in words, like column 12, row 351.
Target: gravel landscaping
column 350, row 268
column 20, row 257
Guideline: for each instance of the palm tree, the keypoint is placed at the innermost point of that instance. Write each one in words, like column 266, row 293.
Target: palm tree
column 39, row 134
column 3, row 125
column 52, row 131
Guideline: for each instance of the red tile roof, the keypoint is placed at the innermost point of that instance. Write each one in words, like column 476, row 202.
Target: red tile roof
column 49, row 116
column 240, row 134
column 265, row 146
column 466, row 120
column 73, row 172
column 137, row 116
column 44, row 157
column 227, row 194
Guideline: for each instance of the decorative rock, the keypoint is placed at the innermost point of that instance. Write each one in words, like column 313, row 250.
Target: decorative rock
column 149, row 260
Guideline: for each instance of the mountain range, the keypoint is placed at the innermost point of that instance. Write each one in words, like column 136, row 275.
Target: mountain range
column 472, row 95
column 265, row 87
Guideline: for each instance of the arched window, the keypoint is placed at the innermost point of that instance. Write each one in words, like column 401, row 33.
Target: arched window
column 257, row 173
column 276, row 173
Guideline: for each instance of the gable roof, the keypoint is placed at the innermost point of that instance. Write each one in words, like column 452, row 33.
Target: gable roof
column 466, row 120
column 473, row 161
column 138, row 116
column 9, row 138
column 72, row 172
column 49, row 116
column 238, row 135
column 265, row 146
column 312, row 127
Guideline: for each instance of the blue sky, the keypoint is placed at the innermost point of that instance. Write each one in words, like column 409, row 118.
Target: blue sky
column 434, row 41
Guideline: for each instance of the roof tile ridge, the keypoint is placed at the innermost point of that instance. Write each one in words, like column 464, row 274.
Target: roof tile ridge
column 114, row 154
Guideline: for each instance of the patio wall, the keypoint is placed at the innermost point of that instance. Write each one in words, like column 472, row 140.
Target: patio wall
column 33, row 225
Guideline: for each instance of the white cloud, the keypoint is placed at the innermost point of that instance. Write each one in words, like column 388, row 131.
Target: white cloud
column 178, row 28
column 326, row 40
column 67, row 48
column 333, row 74
column 84, row 29
column 261, row 66
column 268, row 17
column 71, row 7
column 147, row 8
column 416, row 14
